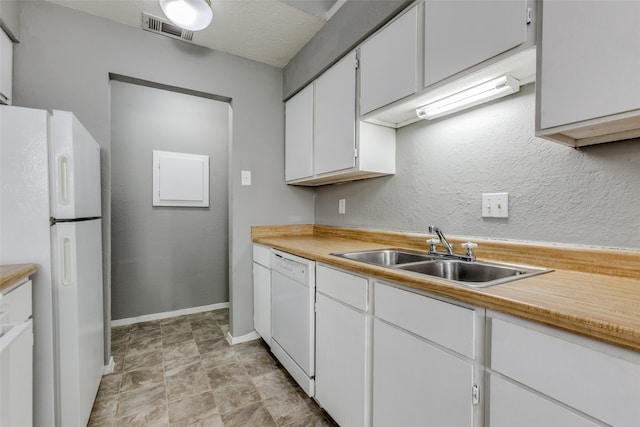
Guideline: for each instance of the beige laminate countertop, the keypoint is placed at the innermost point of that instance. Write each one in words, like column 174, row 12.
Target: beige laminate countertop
column 601, row 306
column 10, row 274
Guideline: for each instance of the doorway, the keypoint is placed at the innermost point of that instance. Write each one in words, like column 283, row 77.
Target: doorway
column 166, row 258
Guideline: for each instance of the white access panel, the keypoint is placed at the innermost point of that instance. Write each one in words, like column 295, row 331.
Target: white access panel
column 180, row 179
column 74, row 168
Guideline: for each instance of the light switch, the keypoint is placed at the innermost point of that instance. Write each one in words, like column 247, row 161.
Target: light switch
column 342, row 206
column 246, row 177
column 495, row 205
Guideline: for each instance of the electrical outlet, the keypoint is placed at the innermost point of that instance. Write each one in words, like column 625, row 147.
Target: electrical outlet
column 495, row 205
column 342, row 206
column 245, row 178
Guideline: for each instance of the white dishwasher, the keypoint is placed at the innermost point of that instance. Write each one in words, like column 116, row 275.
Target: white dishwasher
column 293, row 316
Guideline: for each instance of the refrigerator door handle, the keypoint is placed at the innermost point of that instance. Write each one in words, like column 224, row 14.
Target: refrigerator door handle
column 63, row 180
column 67, row 260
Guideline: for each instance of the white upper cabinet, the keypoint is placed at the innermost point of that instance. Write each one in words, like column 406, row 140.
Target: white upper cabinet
column 6, row 69
column 299, row 135
column 335, row 117
column 589, row 71
column 324, row 141
column 388, row 62
column 460, row 34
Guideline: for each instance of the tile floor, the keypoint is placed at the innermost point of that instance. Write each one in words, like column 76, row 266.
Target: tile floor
column 182, row 372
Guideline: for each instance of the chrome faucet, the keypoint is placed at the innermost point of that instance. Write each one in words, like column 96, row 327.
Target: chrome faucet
column 443, row 240
column 469, row 246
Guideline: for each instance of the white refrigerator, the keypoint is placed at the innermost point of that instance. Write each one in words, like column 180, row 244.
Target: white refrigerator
column 50, row 215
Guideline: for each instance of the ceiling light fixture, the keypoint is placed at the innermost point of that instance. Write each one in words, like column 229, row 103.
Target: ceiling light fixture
column 484, row 92
column 193, row 15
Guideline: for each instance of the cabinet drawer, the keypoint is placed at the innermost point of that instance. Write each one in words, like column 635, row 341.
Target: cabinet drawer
column 17, row 303
column 599, row 384
column 447, row 324
column 345, row 287
column 262, row 255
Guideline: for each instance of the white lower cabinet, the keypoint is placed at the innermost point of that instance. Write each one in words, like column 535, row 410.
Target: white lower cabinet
column 342, row 347
column 512, row 405
column 262, row 292
column 573, row 381
column 418, row 379
column 418, row 384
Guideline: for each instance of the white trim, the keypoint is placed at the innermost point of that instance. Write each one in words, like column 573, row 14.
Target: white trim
column 336, row 6
column 109, row 367
column 166, row 315
column 243, row 338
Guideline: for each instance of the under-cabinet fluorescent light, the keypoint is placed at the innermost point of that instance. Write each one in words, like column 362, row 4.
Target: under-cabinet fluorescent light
column 484, row 92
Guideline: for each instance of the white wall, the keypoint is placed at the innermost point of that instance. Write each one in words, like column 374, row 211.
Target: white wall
column 556, row 194
column 63, row 62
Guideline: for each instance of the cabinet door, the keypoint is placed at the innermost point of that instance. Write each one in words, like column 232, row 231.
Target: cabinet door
column 341, row 363
column 414, row 381
column 262, row 301
column 510, row 405
column 335, row 117
column 590, row 64
column 299, row 135
column 388, row 63
column 460, row 34
column 6, row 68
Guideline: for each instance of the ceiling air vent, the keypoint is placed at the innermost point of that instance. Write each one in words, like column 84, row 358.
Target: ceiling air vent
column 166, row 28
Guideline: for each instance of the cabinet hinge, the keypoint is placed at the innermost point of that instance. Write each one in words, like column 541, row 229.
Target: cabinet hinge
column 355, row 153
column 475, row 394
column 357, row 62
column 529, row 15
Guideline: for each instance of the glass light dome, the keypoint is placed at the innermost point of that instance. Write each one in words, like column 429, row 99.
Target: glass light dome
column 193, row 15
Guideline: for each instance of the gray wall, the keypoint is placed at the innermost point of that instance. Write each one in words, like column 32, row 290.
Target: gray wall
column 63, row 62
column 166, row 258
column 556, row 194
column 353, row 22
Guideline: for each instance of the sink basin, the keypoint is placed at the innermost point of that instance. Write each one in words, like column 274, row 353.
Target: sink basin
column 475, row 274
column 386, row 257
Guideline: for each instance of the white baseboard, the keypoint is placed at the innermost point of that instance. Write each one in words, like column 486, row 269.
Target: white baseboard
column 168, row 314
column 110, row 367
column 243, row 338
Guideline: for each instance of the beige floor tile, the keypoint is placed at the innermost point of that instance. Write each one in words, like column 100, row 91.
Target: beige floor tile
column 132, row 402
column 289, row 407
column 180, row 350
column 236, row 395
column 182, row 372
column 155, row 417
column 142, row 378
column 255, row 415
column 143, row 360
column 177, row 338
column 274, row 383
column 226, row 375
column 192, row 409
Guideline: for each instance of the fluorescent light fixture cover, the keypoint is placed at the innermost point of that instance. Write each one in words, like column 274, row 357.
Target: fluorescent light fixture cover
column 484, row 92
column 192, row 15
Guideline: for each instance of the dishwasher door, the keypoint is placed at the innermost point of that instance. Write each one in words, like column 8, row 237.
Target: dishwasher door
column 292, row 319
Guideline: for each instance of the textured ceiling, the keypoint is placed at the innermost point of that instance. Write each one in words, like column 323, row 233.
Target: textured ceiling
column 267, row 31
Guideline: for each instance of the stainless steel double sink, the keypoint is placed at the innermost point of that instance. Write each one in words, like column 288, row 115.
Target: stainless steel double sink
column 477, row 274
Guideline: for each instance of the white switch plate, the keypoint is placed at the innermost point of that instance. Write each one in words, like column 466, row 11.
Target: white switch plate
column 495, row 205
column 342, row 206
column 246, row 177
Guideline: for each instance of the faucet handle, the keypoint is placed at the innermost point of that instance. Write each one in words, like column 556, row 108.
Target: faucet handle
column 432, row 244
column 470, row 246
